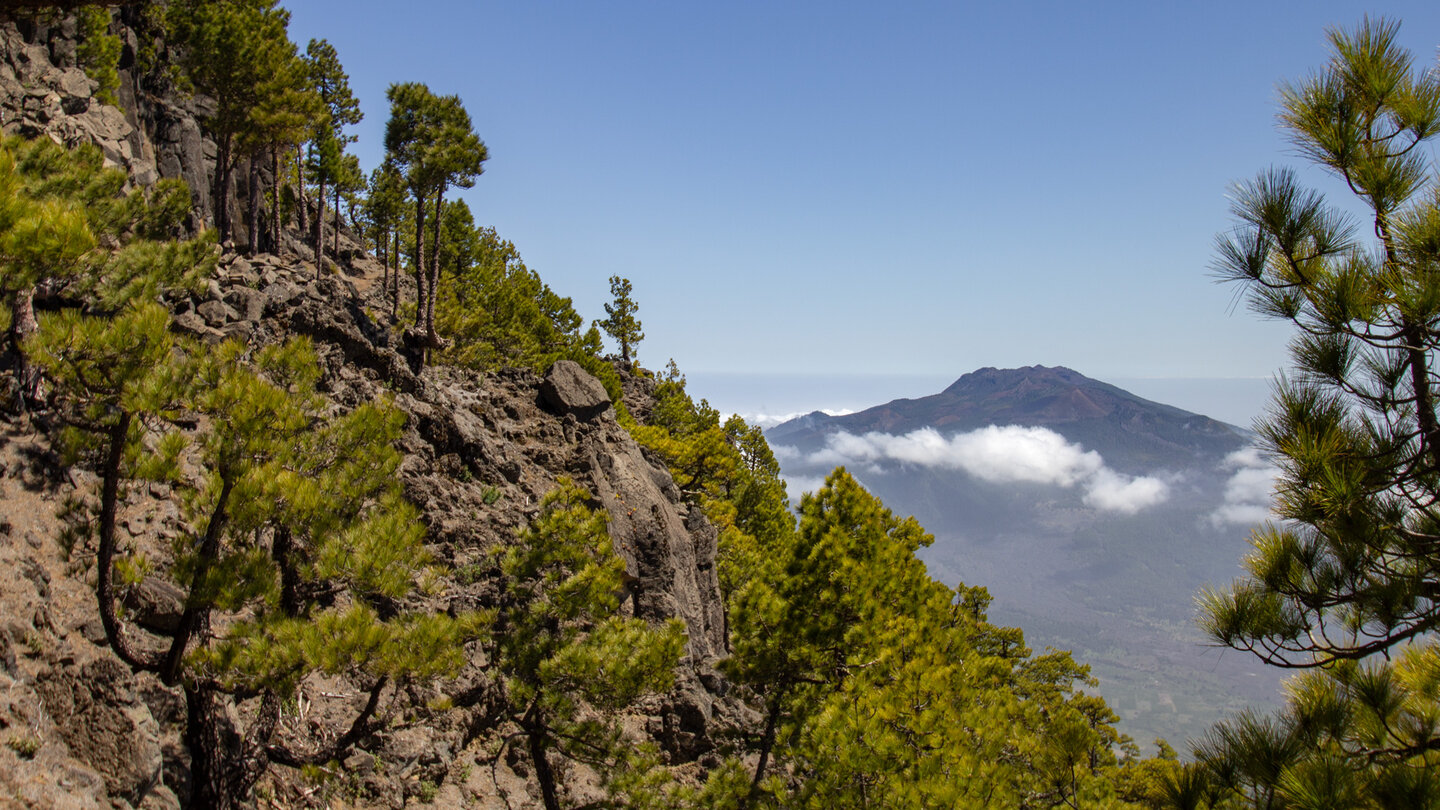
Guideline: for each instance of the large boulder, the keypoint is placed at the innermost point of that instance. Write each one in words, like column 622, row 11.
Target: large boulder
column 570, row 389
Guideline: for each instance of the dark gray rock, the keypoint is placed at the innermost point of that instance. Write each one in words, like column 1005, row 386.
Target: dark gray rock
column 215, row 313
column 570, row 389
column 248, row 303
column 280, row 295
column 156, row 604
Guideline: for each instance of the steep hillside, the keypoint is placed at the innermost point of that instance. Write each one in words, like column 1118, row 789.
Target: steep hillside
column 480, row 452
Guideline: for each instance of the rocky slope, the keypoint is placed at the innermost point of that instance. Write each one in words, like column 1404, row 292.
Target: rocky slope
column 79, row 730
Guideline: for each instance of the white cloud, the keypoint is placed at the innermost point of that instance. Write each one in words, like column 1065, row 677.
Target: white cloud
column 1113, row 492
column 797, row 485
column 1010, row 454
column 1249, row 491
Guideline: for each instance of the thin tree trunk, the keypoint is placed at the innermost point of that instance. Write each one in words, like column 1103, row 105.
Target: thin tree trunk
column 382, row 244
column 302, row 212
column 337, row 224
column 254, row 206
column 221, row 192
column 319, row 229
column 395, row 277
column 420, row 292
column 105, row 555
column 767, row 742
column 535, row 739
column 22, row 325
column 275, row 199
column 195, row 620
column 434, row 268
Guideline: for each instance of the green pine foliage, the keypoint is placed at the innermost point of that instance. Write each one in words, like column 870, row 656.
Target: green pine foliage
column 233, row 53
column 878, row 685
column 568, row 658
column 431, row 141
column 497, row 312
column 899, row 693
column 1345, row 587
column 620, row 322
column 98, row 52
column 727, row 469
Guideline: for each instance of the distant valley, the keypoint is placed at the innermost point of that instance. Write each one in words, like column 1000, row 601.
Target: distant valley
column 1092, row 515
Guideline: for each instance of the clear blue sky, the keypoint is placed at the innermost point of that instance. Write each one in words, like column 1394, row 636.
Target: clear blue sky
column 837, row 187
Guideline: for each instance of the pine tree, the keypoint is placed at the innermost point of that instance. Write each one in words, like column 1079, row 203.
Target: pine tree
column 1352, row 574
column 384, row 210
column 291, row 507
column 54, row 206
column 882, row 687
column 566, row 653
column 231, row 52
column 284, row 118
column 432, row 141
column 296, row 550
column 328, row 164
column 620, row 322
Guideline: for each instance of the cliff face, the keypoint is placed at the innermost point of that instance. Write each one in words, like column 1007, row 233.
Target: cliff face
column 481, row 450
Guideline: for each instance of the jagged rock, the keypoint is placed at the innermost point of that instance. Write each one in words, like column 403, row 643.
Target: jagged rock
column 248, row 303
column 156, row 604
column 105, row 724
column 280, row 294
column 238, row 330
column 568, row 388
column 215, row 313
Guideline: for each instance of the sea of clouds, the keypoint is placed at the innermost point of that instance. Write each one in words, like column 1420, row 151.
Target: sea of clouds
column 1036, row 455
column 1009, row 454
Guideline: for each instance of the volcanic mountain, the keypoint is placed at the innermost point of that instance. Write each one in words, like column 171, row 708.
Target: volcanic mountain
column 1092, row 515
column 1133, row 434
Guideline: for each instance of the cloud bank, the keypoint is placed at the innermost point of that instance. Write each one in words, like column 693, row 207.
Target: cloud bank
column 1010, row 454
column 1248, row 492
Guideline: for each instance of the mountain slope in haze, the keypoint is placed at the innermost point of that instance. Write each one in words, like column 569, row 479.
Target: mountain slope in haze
column 1092, row 515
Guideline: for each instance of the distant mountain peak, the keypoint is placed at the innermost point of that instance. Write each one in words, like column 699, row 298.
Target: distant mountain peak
column 1096, row 414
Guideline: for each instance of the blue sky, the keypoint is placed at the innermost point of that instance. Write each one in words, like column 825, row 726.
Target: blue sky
column 916, row 188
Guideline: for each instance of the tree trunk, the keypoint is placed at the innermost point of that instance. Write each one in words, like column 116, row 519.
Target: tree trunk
column 319, row 229
column 275, row 200
column 195, row 620
column 302, row 209
column 105, row 554
column 337, row 224
column 395, row 277
column 767, row 743
column 221, row 193
column 420, row 291
column 254, row 205
column 22, row 325
column 224, row 767
column 434, row 268
column 535, row 738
